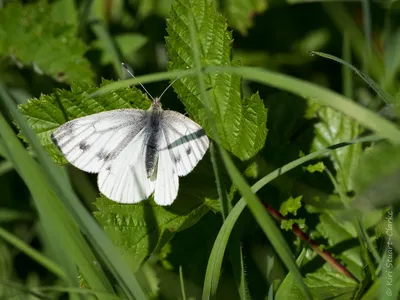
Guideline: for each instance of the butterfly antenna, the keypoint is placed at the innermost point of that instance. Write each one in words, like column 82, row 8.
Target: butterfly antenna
column 168, row 87
column 130, row 73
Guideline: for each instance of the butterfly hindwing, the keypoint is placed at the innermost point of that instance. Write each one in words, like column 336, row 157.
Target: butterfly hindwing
column 186, row 141
column 91, row 142
column 125, row 179
column 167, row 183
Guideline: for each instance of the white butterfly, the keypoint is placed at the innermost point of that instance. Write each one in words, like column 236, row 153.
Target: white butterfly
column 136, row 152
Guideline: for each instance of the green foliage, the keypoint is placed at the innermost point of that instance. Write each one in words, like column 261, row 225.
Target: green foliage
column 241, row 12
column 240, row 122
column 140, row 230
column 290, row 206
column 128, row 44
column 332, row 128
column 376, row 177
column 216, row 249
column 318, row 167
column 30, row 36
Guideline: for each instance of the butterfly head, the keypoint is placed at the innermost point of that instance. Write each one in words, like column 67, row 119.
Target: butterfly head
column 156, row 105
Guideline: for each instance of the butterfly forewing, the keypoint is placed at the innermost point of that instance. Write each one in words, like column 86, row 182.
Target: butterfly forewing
column 186, row 141
column 91, row 142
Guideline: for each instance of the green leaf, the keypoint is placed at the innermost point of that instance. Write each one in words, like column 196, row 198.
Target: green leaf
column 30, row 36
column 333, row 128
column 288, row 224
column 324, row 284
column 240, row 13
column 377, row 177
column 139, row 230
column 318, row 167
column 290, row 206
column 47, row 113
column 240, row 123
column 338, row 230
column 128, row 44
column 215, row 259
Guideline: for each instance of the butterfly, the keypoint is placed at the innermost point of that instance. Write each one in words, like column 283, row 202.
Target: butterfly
column 135, row 152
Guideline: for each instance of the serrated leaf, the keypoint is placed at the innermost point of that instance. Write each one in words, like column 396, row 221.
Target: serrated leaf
column 288, row 224
column 318, row 167
column 139, row 230
column 30, row 36
column 236, row 119
column 240, row 13
column 325, row 283
column 339, row 231
column 334, row 127
column 47, row 113
column 291, row 206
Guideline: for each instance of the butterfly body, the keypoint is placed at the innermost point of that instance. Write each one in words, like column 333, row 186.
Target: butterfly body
column 135, row 152
column 153, row 123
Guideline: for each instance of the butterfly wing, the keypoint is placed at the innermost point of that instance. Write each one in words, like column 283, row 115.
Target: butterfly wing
column 91, row 142
column 186, row 141
column 125, row 179
column 167, row 183
column 182, row 145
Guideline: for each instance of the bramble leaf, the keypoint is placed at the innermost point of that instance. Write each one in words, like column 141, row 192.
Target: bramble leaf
column 318, row 167
column 334, row 127
column 240, row 13
column 30, row 36
column 241, row 123
column 377, row 177
column 47, row 113
column 140, row 229
column 291, row 206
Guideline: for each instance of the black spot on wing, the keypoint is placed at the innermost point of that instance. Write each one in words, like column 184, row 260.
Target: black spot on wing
column 104, row 156
column 188, row 151
column 84, row 146
column 55, row 141
column 177, row 159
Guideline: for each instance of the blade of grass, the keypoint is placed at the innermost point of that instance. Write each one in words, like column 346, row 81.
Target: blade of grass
column 345, row 23
column 55, row 219
column 265, row 221
column 305, row 89
column 381, row 93
column 5, row 167
column 367, row 33
column 32, row 253
column 324, row 96
column 55, row 222
column 217, row 253
column 347, row 76
column 9, row 215
column 234, row 247
column 106, row 251
column 109, row 45
column 182, row 283
column 142, row 79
